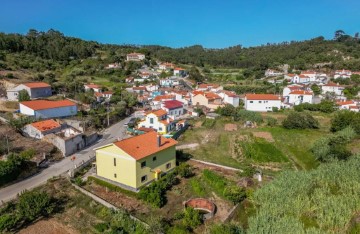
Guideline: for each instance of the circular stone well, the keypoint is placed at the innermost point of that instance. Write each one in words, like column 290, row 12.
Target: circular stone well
column 203, row 205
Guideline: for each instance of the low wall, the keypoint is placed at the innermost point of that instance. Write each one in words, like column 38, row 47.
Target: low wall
column 202, row 205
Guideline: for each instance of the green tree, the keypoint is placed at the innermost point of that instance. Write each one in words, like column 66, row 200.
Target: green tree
column 23, row 96
column 194, row 74
column 33, row 204
column 192, row 218
column 298, row 120
column 316, row 89
column 355, row 78
column 235, row 194
column 345, row 118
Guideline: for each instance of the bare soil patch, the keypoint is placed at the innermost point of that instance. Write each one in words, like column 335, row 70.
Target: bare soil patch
column 230, row 127
column 264, row 135
column 50, row 226
column 198, row 167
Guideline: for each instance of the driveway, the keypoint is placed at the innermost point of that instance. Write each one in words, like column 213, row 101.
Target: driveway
column 111, row 134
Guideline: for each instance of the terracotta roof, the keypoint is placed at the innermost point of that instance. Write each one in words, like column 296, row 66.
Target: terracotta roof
column 303, row 76
column 332, row 85
column 139, row 88
column 179, row 69
column 134, row 54
column 108, row 92
column 162, row 97
column 230, row 94
column 196, row 92
column 291, row 75
column 345, row 103
column 354, row 107
column 146, row 129
column 158, row 113
column 34, row 85
column 97, row 94
column 212, row 96
column 301, row 92
column 46, row 125
column 206, row 86
column 262, row 97
column 92, row 86
column 144, row 145
column 45, row 104
column 173, row 104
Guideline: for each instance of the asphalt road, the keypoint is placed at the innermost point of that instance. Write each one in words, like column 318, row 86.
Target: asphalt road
column 116, row 131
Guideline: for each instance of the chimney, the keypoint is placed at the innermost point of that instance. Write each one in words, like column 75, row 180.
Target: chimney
column 158, row 140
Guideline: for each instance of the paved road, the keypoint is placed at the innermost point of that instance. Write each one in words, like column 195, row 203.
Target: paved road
column 111, row 134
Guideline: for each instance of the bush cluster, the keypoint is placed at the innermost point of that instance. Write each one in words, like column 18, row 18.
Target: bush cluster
column 345, row 118
column 324, row 106
column 299, row 120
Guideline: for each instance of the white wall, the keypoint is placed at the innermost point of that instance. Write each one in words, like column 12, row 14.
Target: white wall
column 295, row 99
column 261, row 105
column 26, row 110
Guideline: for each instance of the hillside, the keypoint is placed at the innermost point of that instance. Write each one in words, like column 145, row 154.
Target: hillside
column 41, row 52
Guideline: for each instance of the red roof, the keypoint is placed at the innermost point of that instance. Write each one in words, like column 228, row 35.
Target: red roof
column 144, row 145
column 164, row 97
column 34, row 85
column 179, row 69
column 332, row 85
column 173, row 104
column 354, row 107
column 158, row 113
column 45, row 104
column 262, row 97
column 139, row 88
column 345, row 103
column 230, row 94
column 92, row 86
column 301, row 92
column 46, row 125
column 212, row 96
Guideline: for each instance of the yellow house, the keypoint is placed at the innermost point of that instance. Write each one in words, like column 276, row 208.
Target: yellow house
column 208, row 99
column 159, row 121
column 136, row 161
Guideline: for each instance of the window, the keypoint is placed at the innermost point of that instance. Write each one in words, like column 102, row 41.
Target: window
column 259, row 101
column 143, row 164
column 115, row 175
column 151, row 120
column 143, row 179
column 168, row 166
column 114, row 162
column 251, row 102
column 160, row 128
column 154, row 158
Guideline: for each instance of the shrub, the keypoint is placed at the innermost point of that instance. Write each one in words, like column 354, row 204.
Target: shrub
column 247, row 170
column 184, row 170
column 271, row 121
column 235, row 194
column 192, row 218
column 101, row 227
column 244, row 115
column 225, row 228
column 23, row 95
column 7, row 222
column 343, row 119
column 325, row 106
column 227, row 110
column 33, row 204
column 78, row 181
column 296, row 120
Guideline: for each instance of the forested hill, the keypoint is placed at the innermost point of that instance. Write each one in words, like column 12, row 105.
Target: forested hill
column 344, row 52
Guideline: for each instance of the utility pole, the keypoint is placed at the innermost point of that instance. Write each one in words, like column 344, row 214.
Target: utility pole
column 107, row 113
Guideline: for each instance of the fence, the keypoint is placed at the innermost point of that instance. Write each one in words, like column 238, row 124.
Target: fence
column 78, row 167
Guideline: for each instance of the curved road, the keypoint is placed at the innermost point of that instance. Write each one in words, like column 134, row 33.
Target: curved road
column 110, row 135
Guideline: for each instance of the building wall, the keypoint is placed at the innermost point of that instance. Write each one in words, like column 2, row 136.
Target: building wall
column 125, row 168
column 31, row 131
column 162, row 158
column 261, row 105
column 331, row 89
column 67, row 146
column 26, row 110
column 155, row 125
column 296, row 99
column 39, row 92
column 200, row 99
column 56, row 112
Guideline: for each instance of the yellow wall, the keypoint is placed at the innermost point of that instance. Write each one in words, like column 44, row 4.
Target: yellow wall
column 127, row 169
column 162, row 158
column 200, row 99
column 124, row 169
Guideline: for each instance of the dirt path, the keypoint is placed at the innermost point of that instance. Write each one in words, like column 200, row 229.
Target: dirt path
column 50, row 226
column 187, row 146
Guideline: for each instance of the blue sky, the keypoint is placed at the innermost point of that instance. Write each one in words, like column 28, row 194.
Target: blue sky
column 211, row 23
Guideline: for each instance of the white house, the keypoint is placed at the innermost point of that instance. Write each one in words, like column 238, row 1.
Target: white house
column 135, row 57
column 179, row 72
column 166, row 66
column 103, row 96
column 346, row 105
column 34, row 89
column 41, row 128
column 169, row 82
column 156, row 102
column 342, row 74
column 229, row 97
column 94, row 87
column 174, row 108
column 262, row 102
column 332, row 88
column 113, row 66
column 311, row 74
column 299, row 96
column 48, row 109
column 302, row 79
column 293, row 87
column 159, row 121
column 270, row 72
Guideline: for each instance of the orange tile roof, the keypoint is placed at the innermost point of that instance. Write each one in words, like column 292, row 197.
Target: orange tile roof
column 46, row 125
column 230, row 94
column 301, row 92
column 354, row 107
column 345, row 103
column 162, row 97
column 144, row 145
column 34, row 85
column 262, row 97
column 45, row 104
column 158, row 113
column 196, row 92
column 212, row 96
column 92, row 86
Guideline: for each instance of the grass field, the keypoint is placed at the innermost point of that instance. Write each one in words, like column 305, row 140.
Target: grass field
column 288, row 148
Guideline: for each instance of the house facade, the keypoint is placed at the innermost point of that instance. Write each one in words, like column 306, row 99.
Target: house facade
column 270, row 72
column 159, row 121
column 137, row 161
column 207, row 99
column 94, row 87
column 135, row 57
column 45, row 109
column 34, row 89
column 300, row 96
column 262, row 102
column 174, row 108
column 230, row 98
column 332, row 88
column 179, row 72
column 41, row 128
